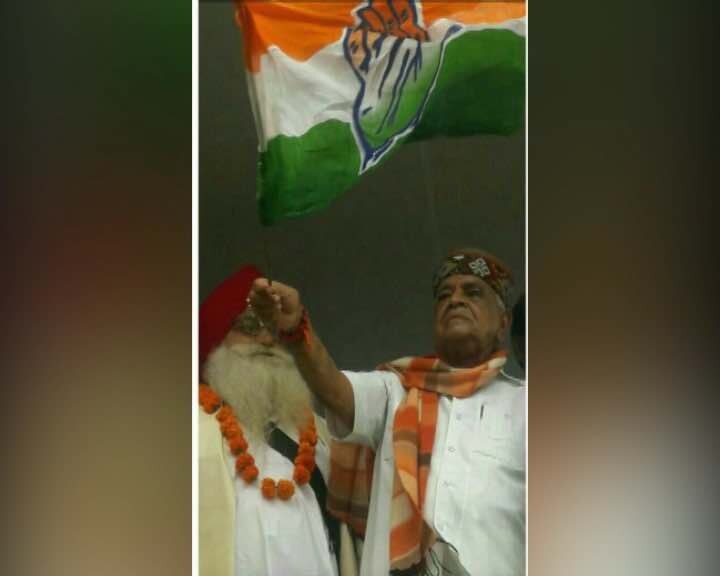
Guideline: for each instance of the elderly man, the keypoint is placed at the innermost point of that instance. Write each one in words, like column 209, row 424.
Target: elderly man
column 261, row 463
column 432, row 461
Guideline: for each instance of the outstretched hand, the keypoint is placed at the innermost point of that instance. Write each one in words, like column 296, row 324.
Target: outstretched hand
column 277, row 305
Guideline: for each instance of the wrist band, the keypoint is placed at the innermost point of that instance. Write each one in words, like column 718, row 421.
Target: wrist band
column 301, row 332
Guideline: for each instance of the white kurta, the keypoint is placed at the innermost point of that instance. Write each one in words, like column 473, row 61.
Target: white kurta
column 475, row 496
column 267, row 537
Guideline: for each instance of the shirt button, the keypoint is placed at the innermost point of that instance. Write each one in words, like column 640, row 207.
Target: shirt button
column 458, row 417
column 451, row 449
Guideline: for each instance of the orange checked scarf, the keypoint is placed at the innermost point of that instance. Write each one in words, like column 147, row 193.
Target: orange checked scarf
column 351, row 465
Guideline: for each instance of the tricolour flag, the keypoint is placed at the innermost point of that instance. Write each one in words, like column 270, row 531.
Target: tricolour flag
column 336, row 86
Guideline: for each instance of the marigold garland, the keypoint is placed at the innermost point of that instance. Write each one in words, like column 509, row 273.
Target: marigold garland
column 243, row 461
column 306, row 461
column 245, row 467
column 285, row 489
column 268, row 488
column 224, row 414
column 305, row 448
column 230, row 429
column 309, row 436
column 250, row 473
column 238, row 445
column 209, row 399
column 301, row 475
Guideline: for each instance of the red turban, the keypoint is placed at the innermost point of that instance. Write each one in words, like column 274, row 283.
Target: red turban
column 222, row 306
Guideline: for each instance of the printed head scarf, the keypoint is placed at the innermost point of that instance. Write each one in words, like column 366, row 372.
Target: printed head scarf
column 483, row 265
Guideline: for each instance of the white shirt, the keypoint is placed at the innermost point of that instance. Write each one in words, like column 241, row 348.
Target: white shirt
column 273, row 537
column 475, row 497
column 276, row 537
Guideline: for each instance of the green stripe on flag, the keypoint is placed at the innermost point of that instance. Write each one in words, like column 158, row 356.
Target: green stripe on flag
column 481, row 87
column 480, row 90
column 302, row 174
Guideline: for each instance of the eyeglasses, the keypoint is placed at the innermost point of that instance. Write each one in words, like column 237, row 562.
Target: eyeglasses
column 248, row 324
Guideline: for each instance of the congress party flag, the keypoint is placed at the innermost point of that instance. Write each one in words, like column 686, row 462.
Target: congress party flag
column 337, row 86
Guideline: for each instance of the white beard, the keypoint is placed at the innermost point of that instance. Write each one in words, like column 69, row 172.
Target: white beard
column 262, row 385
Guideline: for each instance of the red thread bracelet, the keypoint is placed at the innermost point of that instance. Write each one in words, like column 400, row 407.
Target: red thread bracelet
column 301, row 332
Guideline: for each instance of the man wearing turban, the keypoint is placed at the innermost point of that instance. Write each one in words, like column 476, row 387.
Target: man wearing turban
column 262, row 457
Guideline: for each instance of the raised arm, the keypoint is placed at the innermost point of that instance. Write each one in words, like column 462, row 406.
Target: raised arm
column 279, row 306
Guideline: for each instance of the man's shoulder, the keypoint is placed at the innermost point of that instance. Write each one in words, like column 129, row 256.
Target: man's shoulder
column 372, row 377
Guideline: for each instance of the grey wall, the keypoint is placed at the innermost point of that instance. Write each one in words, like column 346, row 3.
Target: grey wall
column 364, row 265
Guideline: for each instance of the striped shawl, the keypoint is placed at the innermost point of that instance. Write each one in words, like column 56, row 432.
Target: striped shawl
column 351, row 465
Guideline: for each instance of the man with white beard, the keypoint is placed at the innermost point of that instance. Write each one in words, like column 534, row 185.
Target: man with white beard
column 262, row 464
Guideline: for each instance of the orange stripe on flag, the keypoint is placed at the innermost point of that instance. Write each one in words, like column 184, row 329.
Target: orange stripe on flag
column 299, row 29
column 472, row 12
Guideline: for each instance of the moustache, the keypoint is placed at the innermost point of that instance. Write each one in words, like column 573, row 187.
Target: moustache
column 258, row 351
column 457, row 310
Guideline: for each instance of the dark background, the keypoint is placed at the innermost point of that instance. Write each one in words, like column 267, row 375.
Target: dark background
column 364, row 265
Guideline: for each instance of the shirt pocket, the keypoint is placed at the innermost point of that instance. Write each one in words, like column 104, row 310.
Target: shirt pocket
column 502, row 436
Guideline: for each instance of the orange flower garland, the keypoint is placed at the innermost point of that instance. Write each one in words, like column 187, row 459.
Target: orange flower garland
column 285, row 489
column 209, row 399
column 245, row 467
column 268, row 488
column 238, row 445
column 301, row 474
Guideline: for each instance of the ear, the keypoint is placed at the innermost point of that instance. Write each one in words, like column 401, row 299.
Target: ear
column 505, row 323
